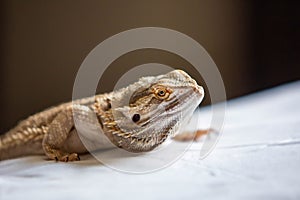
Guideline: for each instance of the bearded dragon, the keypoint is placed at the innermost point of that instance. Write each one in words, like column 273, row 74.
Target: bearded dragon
column 137, row 118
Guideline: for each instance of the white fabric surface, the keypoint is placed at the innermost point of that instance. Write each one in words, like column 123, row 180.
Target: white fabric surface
column 257, row 157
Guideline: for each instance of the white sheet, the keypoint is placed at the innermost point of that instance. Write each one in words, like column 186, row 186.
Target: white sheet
column 257, row 157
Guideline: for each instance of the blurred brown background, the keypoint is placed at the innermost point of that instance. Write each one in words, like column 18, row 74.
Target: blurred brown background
column 255, row 44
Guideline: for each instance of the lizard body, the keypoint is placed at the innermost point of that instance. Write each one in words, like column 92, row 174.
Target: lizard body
column 137, row 118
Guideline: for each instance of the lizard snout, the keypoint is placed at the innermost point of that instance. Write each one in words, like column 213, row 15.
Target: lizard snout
column 199, row 89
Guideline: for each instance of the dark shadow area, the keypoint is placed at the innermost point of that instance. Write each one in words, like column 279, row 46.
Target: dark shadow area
column 255, row 45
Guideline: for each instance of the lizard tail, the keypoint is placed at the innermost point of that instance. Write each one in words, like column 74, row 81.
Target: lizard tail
column 15, row 144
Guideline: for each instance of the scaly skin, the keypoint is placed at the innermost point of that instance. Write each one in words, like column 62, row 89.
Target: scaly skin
column 137, row 118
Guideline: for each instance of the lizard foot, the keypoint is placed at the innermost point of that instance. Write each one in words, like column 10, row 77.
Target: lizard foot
column 67, row 157
column 62, row 156
column 189, row 136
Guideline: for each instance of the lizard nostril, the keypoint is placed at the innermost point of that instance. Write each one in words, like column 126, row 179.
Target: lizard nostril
column 199, row 89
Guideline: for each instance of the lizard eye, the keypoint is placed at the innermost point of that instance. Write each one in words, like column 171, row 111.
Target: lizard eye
column 136, row 117
column 162, row 92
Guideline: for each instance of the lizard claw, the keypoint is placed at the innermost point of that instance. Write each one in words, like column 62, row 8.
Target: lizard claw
column 70, row 157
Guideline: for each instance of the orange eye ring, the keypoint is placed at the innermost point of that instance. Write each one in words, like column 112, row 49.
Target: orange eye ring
column 161, row 92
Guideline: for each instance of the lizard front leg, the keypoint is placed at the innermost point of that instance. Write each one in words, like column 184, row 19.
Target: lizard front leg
column 58, row 132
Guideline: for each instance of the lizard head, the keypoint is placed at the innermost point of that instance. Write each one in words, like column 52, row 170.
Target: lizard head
column 144, row 114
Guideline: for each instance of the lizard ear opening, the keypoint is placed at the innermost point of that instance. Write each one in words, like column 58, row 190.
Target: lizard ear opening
column 136, row 117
